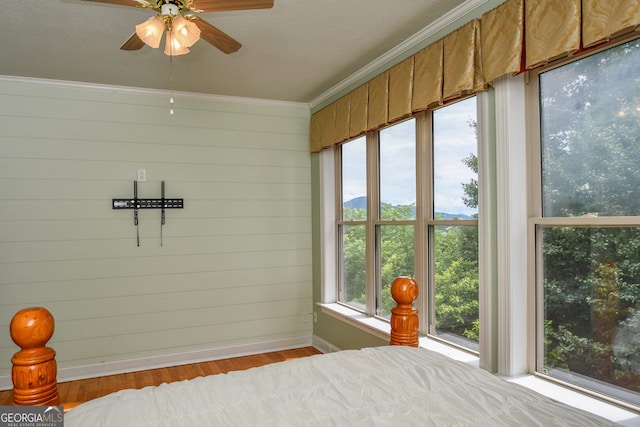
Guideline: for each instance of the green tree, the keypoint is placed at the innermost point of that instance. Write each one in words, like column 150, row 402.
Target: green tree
column 590, row 133
column 456, row 265
column 456, row 275
column 397, row 251
column 456, row 269
column 354, row 267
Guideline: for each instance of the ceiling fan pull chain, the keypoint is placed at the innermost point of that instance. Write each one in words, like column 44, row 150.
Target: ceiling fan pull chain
column 171, row 84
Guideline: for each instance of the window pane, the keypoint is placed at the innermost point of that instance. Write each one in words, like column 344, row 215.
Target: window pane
column 398, row 171
column 589, row 130
column 455, row 162
column 591, row 289
column 354, row 179
column 456, row 284
column 396, row 259
column 589, row 113
column 353, row 280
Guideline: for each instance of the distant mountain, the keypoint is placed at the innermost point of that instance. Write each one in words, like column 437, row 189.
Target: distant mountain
column 361, row 203
column 452, row 216
column 357, row 203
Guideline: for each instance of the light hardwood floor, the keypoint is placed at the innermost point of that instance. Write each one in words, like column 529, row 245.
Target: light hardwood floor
column 84, row 390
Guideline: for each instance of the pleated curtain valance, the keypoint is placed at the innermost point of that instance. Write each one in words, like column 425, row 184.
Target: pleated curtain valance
column 516, row 36
column 378, row 107
column 502, row 40
column 400, row 90
column 427, row 77
column 604, row 19
column 554, row 30
column 462, row 62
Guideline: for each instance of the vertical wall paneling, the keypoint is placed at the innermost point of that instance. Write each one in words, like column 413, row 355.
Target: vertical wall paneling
column 235, row 265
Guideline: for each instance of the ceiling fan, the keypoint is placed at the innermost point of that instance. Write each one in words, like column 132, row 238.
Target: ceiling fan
column 183, row 26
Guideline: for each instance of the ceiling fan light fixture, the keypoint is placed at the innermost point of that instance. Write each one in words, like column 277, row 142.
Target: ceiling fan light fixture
column 185, row 31
column 150, row 31
column 173, row 46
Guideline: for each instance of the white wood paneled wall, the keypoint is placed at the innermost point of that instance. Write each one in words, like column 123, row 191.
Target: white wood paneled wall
column 235, row 265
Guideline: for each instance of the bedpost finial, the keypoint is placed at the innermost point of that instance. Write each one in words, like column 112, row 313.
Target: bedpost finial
column 34, row 368
column 32, row 327
column 404, row 318
column 404, row 290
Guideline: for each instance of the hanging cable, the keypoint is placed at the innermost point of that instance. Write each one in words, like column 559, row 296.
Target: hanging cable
column 170, row 74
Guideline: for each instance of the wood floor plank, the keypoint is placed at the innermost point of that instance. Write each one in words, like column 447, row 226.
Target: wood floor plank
column 83, row 390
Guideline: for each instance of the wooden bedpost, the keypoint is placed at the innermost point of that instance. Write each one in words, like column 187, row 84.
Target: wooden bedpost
column 34, row 367
column 404, row 318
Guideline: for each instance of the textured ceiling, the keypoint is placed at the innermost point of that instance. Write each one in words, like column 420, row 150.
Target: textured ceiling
column 293, row 52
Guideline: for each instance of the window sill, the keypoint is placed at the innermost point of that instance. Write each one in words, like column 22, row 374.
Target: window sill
column 577, row 400
column 376, row 327
column 382, row 329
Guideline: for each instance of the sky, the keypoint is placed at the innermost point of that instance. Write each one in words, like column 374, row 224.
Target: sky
column 454, row 140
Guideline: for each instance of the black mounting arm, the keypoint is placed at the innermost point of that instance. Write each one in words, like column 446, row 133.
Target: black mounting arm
column 135, row 204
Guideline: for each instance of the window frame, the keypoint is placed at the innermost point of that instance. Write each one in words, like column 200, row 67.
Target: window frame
column 507, row 126
column 372, row 222
column 536, row 222
column 424, row 224
column 431, row 223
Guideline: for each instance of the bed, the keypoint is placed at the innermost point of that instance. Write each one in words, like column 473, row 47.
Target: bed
column 396, row 385
column 379, row 386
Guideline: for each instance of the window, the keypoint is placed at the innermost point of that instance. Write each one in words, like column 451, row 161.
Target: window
column 397, row 210
column 453, row 229
column 352, row 229
column 588, row 223
column 389, row 213
column 406, row 215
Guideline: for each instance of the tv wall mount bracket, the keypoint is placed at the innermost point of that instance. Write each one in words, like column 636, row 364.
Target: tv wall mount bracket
column 135, row 204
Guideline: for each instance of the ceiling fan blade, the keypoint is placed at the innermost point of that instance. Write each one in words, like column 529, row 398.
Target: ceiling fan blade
column 133, row 43
column 223, row 5
column 134, row 3
column 216, row 37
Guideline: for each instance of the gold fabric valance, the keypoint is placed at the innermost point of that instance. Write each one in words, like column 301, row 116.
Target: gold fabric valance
column 462, row 68
column 400, row 90
column 602, row 20
column 464, row 61
column 378, row 101
column 359, row 108
column 501, row 38
column 343, row 116
column 427, row 77
column 323, row 128
column 552, row 30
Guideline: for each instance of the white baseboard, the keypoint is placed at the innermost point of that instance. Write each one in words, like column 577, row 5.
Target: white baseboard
column 176, row 359
column 323, row 345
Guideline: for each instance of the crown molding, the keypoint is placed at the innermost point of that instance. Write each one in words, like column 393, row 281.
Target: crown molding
column 400, row 52
column 154, row 92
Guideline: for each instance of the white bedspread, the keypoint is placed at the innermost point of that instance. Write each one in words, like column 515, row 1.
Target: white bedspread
column 382, row 386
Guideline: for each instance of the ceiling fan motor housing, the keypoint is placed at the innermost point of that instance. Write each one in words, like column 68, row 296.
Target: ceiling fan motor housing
column 169, row 9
